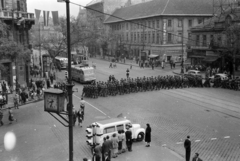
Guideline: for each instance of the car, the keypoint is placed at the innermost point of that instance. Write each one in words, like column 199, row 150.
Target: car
column 222, row 76
column 194, row 72
column 97, row 131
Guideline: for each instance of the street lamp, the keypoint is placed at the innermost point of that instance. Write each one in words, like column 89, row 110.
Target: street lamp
column 182, row 70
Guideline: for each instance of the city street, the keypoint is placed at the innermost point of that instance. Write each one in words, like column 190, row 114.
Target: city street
column 210, row 116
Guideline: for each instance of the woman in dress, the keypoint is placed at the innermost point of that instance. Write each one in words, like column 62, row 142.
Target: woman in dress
column 148, row 135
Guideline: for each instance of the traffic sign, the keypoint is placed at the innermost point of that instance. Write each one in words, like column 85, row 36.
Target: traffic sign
column 61, row 0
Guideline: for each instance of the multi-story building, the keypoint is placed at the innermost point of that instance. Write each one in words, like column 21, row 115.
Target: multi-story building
column 158, row 28
column 211, row 43
column 15, row 15
column 98, row 11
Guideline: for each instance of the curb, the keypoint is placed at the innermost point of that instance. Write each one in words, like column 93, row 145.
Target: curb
column 29, row 102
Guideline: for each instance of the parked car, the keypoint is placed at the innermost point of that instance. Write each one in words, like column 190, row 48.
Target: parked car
column 98, row 130
column 221, row 76
column 194, row 72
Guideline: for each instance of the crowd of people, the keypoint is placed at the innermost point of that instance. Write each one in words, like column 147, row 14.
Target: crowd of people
column 114, row 87
column 23, row 94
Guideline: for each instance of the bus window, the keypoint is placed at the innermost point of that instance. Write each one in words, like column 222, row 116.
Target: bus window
column 88, row 72
column 119, row 127
column 109, row 130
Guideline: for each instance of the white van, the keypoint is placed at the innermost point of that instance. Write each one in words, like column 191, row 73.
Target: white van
column 98, row 130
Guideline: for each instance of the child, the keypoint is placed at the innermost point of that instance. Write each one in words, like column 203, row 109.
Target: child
column 16, row 101
column 10, row 117
column 80, row 117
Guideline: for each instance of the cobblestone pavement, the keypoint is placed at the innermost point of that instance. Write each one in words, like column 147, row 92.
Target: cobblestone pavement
column 209, row 115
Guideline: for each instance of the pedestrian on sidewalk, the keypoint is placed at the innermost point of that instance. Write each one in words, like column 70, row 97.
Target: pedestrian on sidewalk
column 82, row 106
column 120, row 139
column 10, row 116
column 124, row 147
column 16, row 101
column 187, row 146
column 115, row 145
column 130, row 66
column 98, row 152
column 128, row 134
column 80, row 116
column 196, row 157
column 1, row 117
column 152, row 66
column 148, row 135
column 127, row 73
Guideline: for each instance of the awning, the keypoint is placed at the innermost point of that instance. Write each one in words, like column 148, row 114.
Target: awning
column 152, row 56
column 210, row 59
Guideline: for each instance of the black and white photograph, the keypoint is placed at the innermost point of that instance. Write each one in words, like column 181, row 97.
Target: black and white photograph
column 119, row 80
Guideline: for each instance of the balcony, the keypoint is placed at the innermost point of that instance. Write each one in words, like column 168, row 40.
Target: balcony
column 5, row 14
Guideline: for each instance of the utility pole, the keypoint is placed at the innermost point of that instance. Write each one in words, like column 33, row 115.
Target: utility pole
column 69, row 84
column 40, row 54
column 182, row 69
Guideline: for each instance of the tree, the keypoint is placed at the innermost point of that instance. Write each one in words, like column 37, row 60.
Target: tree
column 233, row 39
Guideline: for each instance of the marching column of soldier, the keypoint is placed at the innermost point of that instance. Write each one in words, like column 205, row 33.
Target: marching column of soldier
column 114, row 87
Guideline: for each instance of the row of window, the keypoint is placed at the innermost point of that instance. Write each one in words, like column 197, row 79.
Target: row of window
column 201, row 40
column 4, row 5
column 149, row 37
column 150, row 24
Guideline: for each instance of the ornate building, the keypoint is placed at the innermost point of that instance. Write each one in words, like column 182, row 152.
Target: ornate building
column 14, row 14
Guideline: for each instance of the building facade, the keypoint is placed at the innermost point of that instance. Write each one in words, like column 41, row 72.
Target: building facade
column 14, row 14
column 158, row 28
column 95, row 15
column 213, row 44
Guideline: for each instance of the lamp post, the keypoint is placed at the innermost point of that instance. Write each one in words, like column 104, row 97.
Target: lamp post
column 182, row 70
column 69, row 84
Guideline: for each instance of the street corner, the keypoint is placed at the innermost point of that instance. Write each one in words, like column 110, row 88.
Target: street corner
column 154, row 152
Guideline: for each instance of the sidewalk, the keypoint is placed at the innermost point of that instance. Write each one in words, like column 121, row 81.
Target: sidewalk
column 167, row 66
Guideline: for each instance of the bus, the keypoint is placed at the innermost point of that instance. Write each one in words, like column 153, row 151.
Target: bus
column 62, row 61
column 80, row 59
column 83, row 74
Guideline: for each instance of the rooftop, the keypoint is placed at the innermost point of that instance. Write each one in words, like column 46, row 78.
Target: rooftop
column 163, row 8
column 112, row 120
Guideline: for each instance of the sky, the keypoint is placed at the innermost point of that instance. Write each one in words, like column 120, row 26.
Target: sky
column 53, row 5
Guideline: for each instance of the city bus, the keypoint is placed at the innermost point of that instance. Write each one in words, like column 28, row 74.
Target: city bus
column 80, row 59
column 83, row 74
column 62, row 61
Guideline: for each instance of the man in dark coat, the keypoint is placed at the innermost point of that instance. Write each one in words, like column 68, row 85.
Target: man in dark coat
column 128, row 135
column 187, row 146
column 148, row 135
column 106, row 148
column 98, row 152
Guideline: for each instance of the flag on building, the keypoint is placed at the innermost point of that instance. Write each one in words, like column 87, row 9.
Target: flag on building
column 46, row 17
column 55, row 18
column 37, row 13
